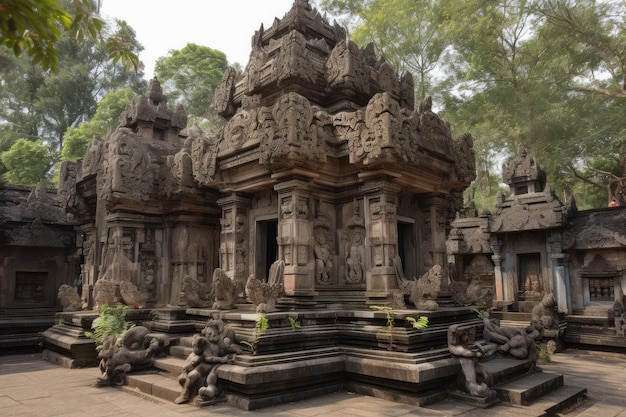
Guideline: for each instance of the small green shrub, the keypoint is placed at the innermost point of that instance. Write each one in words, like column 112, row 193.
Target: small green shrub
column 111, row 321
column 419, row 323
column 295, row 325
column 543, row 357
column 260, row 326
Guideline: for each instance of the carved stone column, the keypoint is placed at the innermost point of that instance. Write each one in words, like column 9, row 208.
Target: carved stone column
column 89, row 260
column 435, row 219
column 234, row 248
column 499, row 284
column 295, row 241
column 381, row 239
column 561, row 282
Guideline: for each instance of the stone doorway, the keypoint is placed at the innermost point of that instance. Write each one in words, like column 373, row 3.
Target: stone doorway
column 407, row 248
column 266, row 247
column 530, row 286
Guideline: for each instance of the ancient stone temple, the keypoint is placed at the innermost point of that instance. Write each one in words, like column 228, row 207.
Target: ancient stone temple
column 323, row 163
column 278, row 258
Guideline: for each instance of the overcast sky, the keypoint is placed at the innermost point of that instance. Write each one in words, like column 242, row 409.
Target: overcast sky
column 225, row 25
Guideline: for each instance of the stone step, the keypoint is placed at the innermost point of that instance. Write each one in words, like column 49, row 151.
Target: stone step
column 526, row 389
column 170, row 365
column 504, row 369
column 563, row 399
column 154, row 384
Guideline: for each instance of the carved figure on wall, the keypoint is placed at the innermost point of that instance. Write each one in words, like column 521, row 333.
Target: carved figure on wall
column 212, row 347
column 225, row 290
column 323, row 257
column 135, row 352
column 263, row 295
column 286, row 208
column 346, row 68
column 196, row 294
column 355, row 256
column 517, row 342
column 474, row 378
column 424, row 291
column 131, row 170
column 103, row 293
column 69, row 298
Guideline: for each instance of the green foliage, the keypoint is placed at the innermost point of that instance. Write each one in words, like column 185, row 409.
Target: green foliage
column 295, row 325
column 420, row 323
column 549, row 74
column 543, row 357
column 260, row 326
column 107, row 117
column 36, row 27
column 111, row 321
column 414, row 42
column 33, row 26
column 41, row 105
column 189, row 76
column 391, row 316
column 27, row 163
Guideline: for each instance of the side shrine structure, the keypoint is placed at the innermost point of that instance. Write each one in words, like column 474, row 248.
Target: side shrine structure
column 533, row 248
column 300, row 231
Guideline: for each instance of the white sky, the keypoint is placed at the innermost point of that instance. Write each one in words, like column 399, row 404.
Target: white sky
column 225, row 25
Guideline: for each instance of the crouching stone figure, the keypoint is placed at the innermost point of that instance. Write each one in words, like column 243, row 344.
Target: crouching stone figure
column 474, row 378
column 211, row 348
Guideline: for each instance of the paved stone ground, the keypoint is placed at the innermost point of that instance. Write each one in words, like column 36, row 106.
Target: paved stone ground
column 30, row 386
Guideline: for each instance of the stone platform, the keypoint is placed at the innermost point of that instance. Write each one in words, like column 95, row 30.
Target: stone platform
column 309, row 353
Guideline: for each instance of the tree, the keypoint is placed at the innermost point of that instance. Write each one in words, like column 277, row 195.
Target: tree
column 545, row 73
column 106, row 119
column 189, row 76
column 41, row 105
column 27, row 163
column 36, row 26
column 409, row 34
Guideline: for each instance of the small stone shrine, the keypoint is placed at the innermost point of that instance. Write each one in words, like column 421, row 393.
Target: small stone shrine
column 544, row 260
column 37, row 257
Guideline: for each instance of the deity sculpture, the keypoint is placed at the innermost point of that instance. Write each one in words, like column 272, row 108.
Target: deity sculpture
column 212, row 347
column 69, row 298
column 134, row 352
column 323, row 258
column 225, row 290
column 197, row 294
column 355, row 256
column 263, row 295
column 424, row 291
column 474, row 378
column 517, row 342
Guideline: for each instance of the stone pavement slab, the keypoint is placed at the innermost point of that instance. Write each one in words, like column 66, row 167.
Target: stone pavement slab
column 30, row 386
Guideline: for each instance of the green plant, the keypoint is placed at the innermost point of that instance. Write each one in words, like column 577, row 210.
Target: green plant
column 419, row 323
column 295, row 325
column 543, row 357
column 481, row 307
column 260, row 326
column 391, row 316
column 111, row 321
